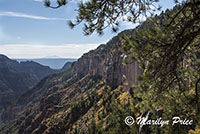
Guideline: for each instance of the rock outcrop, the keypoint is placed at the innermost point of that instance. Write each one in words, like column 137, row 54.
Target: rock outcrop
column 107, row 62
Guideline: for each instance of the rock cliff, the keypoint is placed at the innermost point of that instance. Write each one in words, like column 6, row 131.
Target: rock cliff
column 107, row 62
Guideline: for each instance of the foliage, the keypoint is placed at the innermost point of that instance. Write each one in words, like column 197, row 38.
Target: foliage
column 168, row 57
column 196, row 131
column 97, row 15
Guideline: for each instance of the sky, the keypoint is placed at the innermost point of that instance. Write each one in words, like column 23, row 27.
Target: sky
column 30, row 30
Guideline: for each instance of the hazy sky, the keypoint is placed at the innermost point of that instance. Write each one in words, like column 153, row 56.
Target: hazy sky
column 30, row 30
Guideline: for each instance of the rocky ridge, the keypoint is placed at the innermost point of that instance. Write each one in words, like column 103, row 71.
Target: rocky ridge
column 17, row 78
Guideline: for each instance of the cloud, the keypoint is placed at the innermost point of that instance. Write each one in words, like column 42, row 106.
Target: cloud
column 28, row 16
column 38, row 51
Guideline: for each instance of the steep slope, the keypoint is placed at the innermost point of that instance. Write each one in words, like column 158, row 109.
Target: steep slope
column 66, row 66
column 16, row 78
column 35, row 69
column 12, row 82
column 87, row 92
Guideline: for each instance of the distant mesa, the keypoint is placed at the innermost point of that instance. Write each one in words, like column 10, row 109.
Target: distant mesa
column 52, row 57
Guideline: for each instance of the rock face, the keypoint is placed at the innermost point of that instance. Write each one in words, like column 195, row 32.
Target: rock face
column 107, row 62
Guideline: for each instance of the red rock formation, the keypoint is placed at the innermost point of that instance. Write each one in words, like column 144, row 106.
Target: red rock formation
column 108, row 65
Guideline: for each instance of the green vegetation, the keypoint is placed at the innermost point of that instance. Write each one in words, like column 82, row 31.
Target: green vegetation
column 169, row 58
